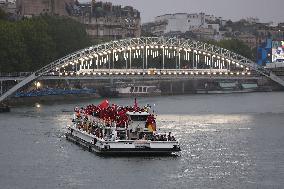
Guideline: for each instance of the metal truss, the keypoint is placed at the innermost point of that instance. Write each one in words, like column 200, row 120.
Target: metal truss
column 198, row 47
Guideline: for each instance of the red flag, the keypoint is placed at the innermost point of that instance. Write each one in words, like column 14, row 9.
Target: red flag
column 104, row 104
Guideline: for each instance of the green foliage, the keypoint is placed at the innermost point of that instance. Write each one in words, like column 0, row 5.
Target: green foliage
column 236, row 46
column 29, row 44
column 3, row 15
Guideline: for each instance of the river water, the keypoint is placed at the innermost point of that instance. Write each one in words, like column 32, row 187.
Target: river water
column 227, row 141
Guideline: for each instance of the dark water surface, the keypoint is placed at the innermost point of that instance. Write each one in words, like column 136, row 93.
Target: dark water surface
column 227, row 141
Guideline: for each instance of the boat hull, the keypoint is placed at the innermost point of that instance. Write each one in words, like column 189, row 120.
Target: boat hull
column 119, row 151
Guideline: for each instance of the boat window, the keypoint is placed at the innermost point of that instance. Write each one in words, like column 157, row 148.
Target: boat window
column 131, row 89
column 138, row 117
column 145, row 89
column 140, row 89
column 136, row 89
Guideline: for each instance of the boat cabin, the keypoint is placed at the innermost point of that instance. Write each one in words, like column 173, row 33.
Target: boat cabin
column 137, row 125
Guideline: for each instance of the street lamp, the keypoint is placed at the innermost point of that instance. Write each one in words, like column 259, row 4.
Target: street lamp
column 38, row 85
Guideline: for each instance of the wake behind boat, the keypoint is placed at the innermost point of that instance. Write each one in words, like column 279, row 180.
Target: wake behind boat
column 117, row 130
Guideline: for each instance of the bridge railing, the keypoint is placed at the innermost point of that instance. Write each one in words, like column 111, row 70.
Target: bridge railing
column 16, row 74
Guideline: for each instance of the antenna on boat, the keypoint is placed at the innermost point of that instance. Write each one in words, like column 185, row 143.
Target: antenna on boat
column 135, row 104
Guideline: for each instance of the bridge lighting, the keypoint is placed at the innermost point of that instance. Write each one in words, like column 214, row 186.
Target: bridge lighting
column 220, row 73
column 223, row 59
column 233, row 62
column 242, row 66
column 196, row 73
column 232, row 73
column 169, row 73
column 249, row 73
column 238, row 73
column 186, row 73
column 166, row 47
column 142, row 47
column 91, row 57
column 218, row 57
column 121, row 73
column 214, row 73
column 156, row 47
column 105, row 73
column 133, row 73
column 202, row 73
column 199, row 52
column 116, row 73
column 208, row 73
column 208, row 54
column 175, row 47
column 243, row 73
column 152, row 47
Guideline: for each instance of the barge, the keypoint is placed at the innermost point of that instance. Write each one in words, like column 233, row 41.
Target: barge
column 117, row 130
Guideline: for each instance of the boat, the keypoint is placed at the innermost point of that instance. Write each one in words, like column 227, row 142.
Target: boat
column 108, row 92
column 120, row 130
column 138, row 90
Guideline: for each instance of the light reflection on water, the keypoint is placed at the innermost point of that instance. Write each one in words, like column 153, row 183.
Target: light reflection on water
column 241, row 147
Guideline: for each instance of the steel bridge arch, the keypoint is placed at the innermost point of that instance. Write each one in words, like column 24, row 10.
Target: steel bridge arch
column 152, row 42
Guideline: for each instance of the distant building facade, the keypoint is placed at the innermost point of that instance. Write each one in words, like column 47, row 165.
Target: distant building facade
column 102, row 20
column 200, row 24
column 107, row 21
column 8, row 7
column 29, row 8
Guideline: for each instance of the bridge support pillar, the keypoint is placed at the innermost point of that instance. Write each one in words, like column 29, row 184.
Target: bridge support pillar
column 111, row 81
column 182, row 87
column 171, row 87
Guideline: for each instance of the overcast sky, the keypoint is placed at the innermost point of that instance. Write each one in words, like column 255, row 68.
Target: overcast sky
column 266, row 10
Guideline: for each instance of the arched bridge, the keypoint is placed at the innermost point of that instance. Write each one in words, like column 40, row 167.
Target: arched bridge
column 148, row 56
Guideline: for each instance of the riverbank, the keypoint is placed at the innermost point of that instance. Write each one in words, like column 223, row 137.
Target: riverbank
column 27, row 101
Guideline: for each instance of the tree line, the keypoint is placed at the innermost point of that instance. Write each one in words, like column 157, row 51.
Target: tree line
column 29, row 44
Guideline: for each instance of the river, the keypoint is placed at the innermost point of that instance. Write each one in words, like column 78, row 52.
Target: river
column 227, row 141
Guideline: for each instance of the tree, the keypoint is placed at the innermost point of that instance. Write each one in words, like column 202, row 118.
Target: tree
column 30, row 44
column 234, row 45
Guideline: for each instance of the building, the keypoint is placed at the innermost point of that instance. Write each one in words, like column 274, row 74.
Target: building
column 249, row 39
column 107, row 21
column 9, row 7
column 102, row 20
column 29, row 8
column 182, row 23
